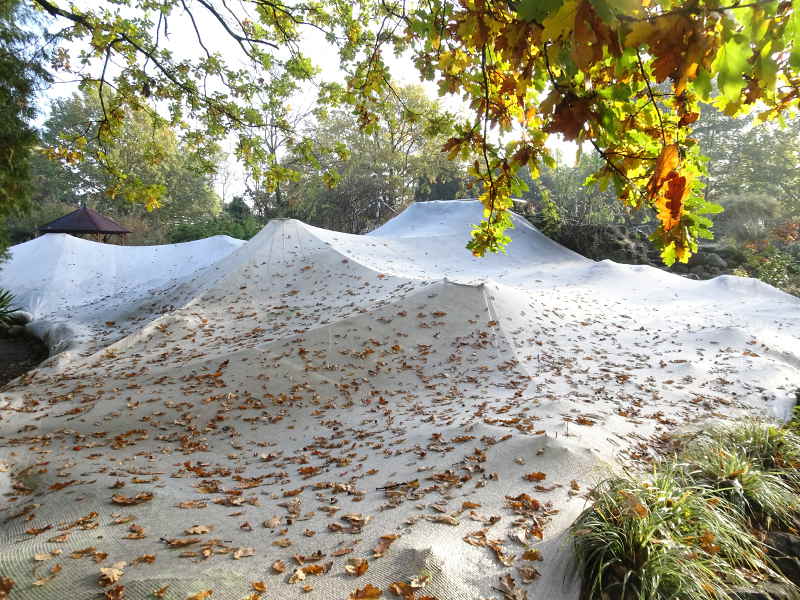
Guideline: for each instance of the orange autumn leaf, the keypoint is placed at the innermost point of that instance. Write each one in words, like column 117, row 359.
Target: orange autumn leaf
column 313, row 569
column 405, row 591
column 279, row 566
column 670, row 204
column 370, row 592
column 688, row 119
column 535, row 476
column 666, row 163
column 6, row 585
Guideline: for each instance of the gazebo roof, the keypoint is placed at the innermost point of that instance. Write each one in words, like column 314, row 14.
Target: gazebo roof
column 83, row 220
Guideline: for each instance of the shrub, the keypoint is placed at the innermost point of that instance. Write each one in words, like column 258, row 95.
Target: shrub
column 778, row 267
column 242, row 229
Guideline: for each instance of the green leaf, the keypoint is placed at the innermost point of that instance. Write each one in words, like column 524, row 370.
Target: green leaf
column 793, row 34
column 702, row 84
column 537, row 10
column 732, row 64
column 668, row 254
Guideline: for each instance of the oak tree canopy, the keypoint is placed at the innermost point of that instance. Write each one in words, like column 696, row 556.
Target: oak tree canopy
column 627, row 77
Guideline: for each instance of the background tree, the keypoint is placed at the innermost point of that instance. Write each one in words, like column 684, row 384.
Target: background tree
column 744, row 160
column 575, row 202
column 374, row 172
column 584, row 69
column 21, row 73
column 156, row 163
column 236, row 220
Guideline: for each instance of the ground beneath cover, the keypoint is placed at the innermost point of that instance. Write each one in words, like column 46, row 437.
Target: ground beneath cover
column 18, row 355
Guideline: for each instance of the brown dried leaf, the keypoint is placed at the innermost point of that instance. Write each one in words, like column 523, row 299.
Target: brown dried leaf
column 279, row 566
column 356, row 566
column 131, row 500
column 199, row 529
column 243, row 552
column 510, row 589
column 6, row 585
column 116, row 593
column 532, row 554
column 383, row 544
column 109, row 575
column 528, row 574
column 144, row 559
column 405, row 591
column 181, row 542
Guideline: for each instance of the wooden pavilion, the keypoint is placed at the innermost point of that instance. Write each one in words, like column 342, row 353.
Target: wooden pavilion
column 86, row 221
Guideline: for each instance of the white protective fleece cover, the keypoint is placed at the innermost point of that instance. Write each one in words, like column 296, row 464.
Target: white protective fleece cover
column 310, row 397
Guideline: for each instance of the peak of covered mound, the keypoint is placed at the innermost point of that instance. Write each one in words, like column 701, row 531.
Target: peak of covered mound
column 233, row 413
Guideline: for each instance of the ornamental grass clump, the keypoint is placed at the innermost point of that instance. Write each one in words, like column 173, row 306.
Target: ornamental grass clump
column 661, row 538
column 753, row 465
column 764, row 497
column 688, row 530
column 768, row 447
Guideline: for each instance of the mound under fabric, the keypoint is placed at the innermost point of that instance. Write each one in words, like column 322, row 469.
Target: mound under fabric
column 325, row 416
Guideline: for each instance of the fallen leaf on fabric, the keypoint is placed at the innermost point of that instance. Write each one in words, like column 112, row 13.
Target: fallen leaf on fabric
column 528, row 574
column 38, row 530
column 384, row 542
column 109, row 575
column 356, row 566
column 144, row 559
column 243, row 552
column 181, row 542
column 298, row 575
column 116, row 593
column 279, row 566
column 199, row 530
column 532, row 554
column 6, row 585
column 129, row 501
column 54, row 570
column 510, row 589
column 370, row 592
